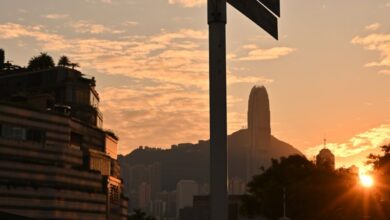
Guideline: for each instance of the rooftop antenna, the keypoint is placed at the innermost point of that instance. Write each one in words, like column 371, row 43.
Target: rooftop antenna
column 325, row 141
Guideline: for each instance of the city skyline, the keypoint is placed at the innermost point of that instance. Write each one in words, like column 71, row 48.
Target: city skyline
column 327, row 76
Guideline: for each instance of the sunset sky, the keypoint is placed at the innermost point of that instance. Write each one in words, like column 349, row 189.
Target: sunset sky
column 327, row 76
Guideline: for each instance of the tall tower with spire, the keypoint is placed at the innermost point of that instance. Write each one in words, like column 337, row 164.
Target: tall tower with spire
column 259, row 127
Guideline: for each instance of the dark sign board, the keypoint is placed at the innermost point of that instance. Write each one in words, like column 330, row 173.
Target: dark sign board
column 258, row 14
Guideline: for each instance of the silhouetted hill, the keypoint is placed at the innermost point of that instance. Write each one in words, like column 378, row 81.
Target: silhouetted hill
column 191, row 161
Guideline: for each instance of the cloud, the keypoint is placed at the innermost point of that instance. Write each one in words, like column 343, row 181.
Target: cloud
column 55, row 16
column 179, row 57
column 366, row 141
column 130, row 23
column 384, row 72
column 258, row 80
column 169, row 90
column 175, row 57
column 373, row 27
column 102, row 1
column 160, row 115
column 155, row 115
column 188, row 3
column 376, row 42
column 14, row 31
column 91, row 28
column 256, row 53
column 250, row 46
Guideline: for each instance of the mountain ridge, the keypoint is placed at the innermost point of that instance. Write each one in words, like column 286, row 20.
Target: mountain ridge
column 191, row 161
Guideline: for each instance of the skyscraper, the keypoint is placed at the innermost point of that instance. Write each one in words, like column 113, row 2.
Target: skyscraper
column 259, row 127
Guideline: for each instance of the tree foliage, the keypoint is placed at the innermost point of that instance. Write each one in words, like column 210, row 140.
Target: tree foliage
column 381, row 162
column 312, row 193
column 43, row 61
column 64, row 61
column 381, row 165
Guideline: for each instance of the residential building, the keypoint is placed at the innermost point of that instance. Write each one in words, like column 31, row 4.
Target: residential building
column 56, row 161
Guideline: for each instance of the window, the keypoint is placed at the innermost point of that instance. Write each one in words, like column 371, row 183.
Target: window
column 35, row 135
column 94, row 101
column 82, row 97
column 13, row 132
column 21, row 133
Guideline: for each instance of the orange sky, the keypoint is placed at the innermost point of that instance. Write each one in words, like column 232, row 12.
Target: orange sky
column 328, row 75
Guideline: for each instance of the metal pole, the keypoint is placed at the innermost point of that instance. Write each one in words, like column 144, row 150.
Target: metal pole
column 218, row 118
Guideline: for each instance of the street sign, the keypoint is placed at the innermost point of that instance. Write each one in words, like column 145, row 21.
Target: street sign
column 272, row 5
column 258, row 14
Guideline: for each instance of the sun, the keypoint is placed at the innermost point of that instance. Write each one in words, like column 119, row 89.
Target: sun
column 366, row 180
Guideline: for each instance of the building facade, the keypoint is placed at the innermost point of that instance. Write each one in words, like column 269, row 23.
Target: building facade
column 56, row 161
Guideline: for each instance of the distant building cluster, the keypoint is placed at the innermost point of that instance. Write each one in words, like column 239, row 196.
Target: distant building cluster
column 173, row 184
column 143, row 187
column 57, row 161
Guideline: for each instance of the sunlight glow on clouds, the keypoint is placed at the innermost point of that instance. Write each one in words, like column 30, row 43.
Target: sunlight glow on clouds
column 369, row 140
column 56, row 16
column 175, row 57
column 373, row 27
column 161, row 47
column 384, row 72
column 88, row 27
column 181, row 114
column 376, row 42
column 256, row 53
column 188, row 3
column 102, row 1
column 175, row 62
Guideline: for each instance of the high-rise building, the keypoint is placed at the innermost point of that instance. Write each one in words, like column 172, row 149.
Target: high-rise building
column 259, row 127
column 56, row 161
column 135, row 177
column 144, row 196
column 185, row 191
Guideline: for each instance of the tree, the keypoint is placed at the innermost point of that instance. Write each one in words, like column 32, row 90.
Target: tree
column 140, row 215
column 64, row 61
column 381, row 162
column 73, row 65
column 43, row 61
column 312, row 193
column 381, row 165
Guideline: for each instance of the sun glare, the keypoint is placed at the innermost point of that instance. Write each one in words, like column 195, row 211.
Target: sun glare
column 366, row 180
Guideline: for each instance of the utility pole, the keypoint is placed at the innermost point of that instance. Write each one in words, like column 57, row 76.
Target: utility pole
column 263, row 13
column 216, row 18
